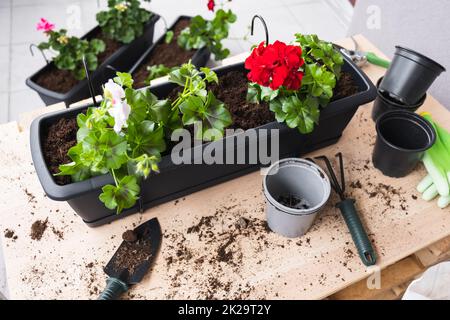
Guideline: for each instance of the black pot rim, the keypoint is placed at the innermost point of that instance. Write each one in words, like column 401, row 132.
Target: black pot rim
column 408, row 115
column 395, row 104
column 419, row 58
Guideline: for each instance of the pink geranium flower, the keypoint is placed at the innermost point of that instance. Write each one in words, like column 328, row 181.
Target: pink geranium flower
column 45, row 25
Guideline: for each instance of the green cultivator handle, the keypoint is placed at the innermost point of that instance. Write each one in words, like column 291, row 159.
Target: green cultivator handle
column 114, row 289
column 359, row 235
column 376, row 60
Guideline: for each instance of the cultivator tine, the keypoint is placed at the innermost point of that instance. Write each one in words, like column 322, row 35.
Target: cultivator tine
column 334, row 180
column 341, row 167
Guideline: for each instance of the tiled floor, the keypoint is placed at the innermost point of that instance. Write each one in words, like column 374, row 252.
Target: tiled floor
column 328, row 18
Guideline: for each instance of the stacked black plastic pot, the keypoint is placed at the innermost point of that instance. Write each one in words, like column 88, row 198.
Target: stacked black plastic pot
column 406, row 81
column 402, row 135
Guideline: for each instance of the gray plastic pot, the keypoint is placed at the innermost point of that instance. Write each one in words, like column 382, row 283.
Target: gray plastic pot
column 300, row 178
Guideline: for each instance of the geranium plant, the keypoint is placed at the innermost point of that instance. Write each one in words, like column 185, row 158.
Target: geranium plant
column 121, row 137
column 70, row 50
column 200, row 33
column 124, row 20
column 208, row 33
column 127, row 133
column 199, row 105
column 296, row 80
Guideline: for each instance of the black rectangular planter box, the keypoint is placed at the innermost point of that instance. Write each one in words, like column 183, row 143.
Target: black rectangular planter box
column 199, row 59
column 175, row 181
column 122, row 59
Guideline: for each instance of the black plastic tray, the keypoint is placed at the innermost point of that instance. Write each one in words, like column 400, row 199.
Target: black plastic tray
column 175, row 181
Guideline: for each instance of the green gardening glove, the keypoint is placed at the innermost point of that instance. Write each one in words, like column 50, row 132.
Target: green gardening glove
column 437, row 163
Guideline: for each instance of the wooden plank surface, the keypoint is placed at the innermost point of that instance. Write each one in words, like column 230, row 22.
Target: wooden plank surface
column 203, row 254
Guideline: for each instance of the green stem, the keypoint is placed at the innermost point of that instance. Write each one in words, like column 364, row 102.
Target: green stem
column 178, row 101
column 114, row 176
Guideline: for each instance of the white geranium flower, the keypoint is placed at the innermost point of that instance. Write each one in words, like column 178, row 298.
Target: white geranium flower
column 113, row 92
column 120, row 112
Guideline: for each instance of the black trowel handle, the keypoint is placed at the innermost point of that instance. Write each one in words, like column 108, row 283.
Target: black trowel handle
column 359, row 235
column 114, row 289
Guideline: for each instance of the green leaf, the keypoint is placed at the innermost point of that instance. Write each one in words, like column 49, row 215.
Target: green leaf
column 182, row 74
column 169, row 36
column 254, row 93
column 210, row 76
column 114, row 148
column 192, row 109
column 202, row 33
column 122, row 196
column 146, row 137
column 108, row 151
column 138, row 100
column 302, row 115
column 97, row 46
column 124, row 79
column 267, row 94
column 276, row 107
column 77, row 169
column 157, row 71
column 212, row 113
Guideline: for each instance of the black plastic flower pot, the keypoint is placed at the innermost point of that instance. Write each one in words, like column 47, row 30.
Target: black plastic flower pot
column 402, row 138
column 383, row 103
column 199, row 59
column 174, row 181
column 123, row 59
column 409, row 76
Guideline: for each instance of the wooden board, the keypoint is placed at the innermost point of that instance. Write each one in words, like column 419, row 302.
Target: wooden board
column 203, row 254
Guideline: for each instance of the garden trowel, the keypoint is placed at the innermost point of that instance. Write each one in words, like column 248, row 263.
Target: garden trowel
column 146, row 245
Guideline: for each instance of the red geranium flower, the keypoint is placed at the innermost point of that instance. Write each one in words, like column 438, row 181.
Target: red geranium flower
column 276, row 65
column 211, row 5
